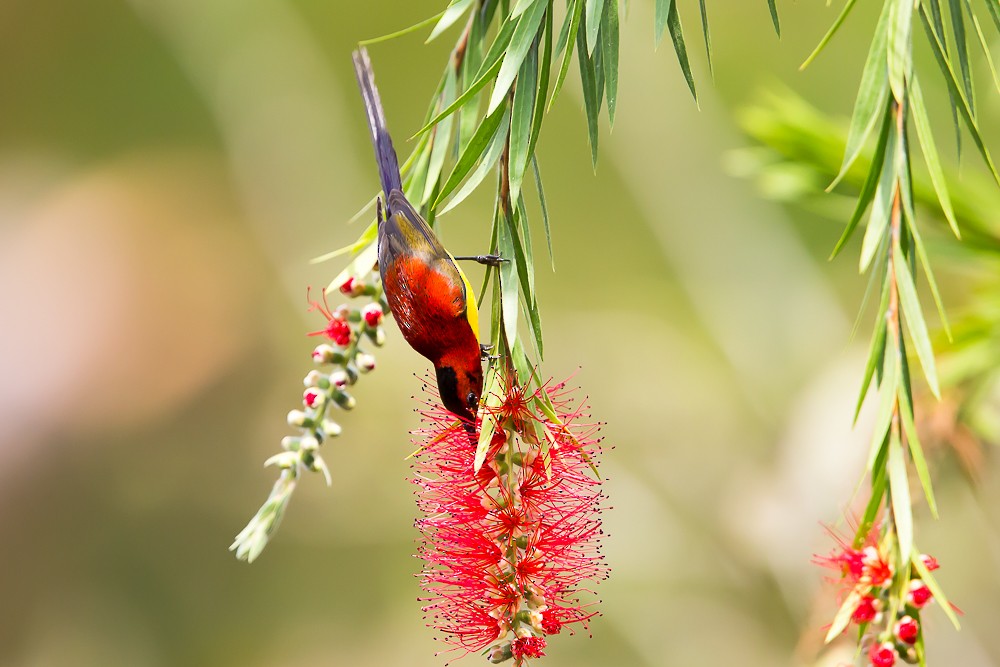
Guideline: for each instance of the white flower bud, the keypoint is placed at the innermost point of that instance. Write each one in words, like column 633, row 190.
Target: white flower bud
column 366, row 362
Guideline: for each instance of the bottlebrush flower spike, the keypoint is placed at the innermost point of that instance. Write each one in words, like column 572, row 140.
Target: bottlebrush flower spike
column 509, row 549
column 325, row 387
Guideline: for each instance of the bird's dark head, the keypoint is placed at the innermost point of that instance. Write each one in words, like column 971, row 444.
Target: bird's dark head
column 460, row 386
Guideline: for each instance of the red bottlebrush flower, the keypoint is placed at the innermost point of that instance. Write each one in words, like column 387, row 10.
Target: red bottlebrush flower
column 906, row 630
column 551, row 623
column 337, row 329
column 527, row 647
column 918, row 594
column 866, row 611
column 863, row 567
column 373, row 315
column 883, row 655
column 509, row 549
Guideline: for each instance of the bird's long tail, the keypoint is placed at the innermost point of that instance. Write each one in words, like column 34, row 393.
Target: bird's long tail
column 385, row 154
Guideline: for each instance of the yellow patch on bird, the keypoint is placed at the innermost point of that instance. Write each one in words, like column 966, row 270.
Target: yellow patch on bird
column 471, row 312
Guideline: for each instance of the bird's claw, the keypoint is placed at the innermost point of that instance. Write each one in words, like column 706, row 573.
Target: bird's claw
column 487, row 260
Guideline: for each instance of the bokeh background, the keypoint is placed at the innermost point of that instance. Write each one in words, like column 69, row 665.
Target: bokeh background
column 167, row 170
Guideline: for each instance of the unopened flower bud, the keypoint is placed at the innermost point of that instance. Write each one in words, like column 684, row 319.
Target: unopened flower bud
column 347, row 287
column 331, row 429
column 918, row 594
column 498, row 654
column 312, row 397
column 299, row 419
column 339, row 379
column 366, row 362
column 882, row 654
column 344, row 400
column 865, row 611
column 309, row 443
column 327, row 354
column 376, row 336
column 906, row 630
column 312, row 378
column 291, row 443
column 283, row 460
column 373, row 315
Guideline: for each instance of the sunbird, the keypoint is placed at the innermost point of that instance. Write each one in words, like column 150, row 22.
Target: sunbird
column 430, row 297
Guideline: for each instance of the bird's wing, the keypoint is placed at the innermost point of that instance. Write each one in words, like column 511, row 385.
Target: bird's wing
column 404, row 233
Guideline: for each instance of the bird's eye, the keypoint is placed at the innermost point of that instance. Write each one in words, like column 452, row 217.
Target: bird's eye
column 472, row 399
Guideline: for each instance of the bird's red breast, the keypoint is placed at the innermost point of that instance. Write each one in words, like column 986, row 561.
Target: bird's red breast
column 429, row 305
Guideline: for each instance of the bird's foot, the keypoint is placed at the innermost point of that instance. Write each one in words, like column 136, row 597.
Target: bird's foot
column 484, row 352
column 487, row 260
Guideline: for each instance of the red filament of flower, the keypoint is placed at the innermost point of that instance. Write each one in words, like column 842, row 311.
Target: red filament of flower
column 527, row 647
column 337, row 329
column 509, row 547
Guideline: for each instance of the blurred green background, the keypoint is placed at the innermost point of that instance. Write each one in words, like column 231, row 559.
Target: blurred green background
column 168, row 168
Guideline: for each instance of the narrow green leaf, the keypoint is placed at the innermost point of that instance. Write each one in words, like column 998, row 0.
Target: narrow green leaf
column 963, row 105
column 868, row 187
column 843, row 616
column 520, row 120
column 566, row 25
column 926, row 138
column 545, row 210
column 829, row 33
column 521, row 260
column 708, row 37
column 441, row 138
column 915, row 324
column 917, row 453
column 478, row 145
column 886, row 406
column 609, row 46
column 451, row 14
column 592, row 22
column 774, row 17
column 508, row 280
column 464, row 98
column 936, row 590
column 872, row 93
column 878, row 221
column 662, row 11
column 921, row 251
column 574, row 26
column 405, row 31
column 520, row 7
column 879, row 482
column 962, row 50
column 899, row 487
column 485, row 165
column 899, row 46
column 983, row 44
column 590, row 101
column 876, row 352
column 489, row 424
column 529, row 252
column 543, row 84
column 517, row 50
column 994, row 8
column 367, row 236
column 677, row 36
column 938, row 24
